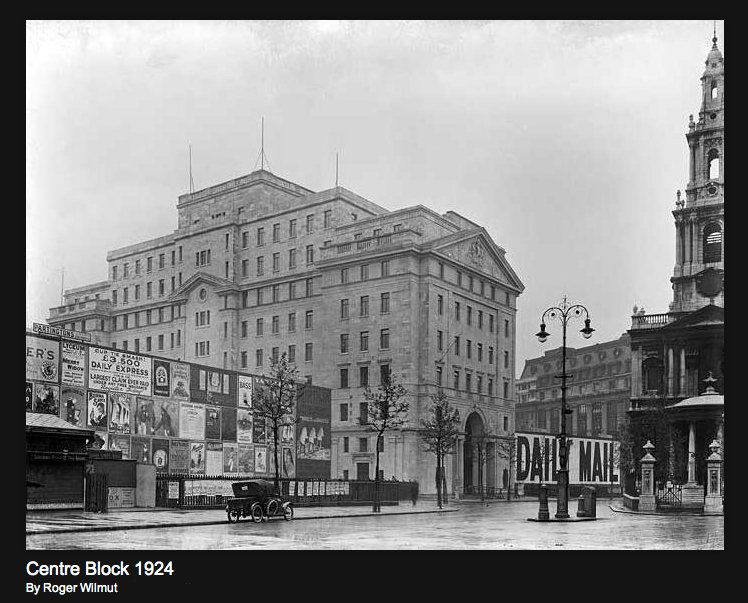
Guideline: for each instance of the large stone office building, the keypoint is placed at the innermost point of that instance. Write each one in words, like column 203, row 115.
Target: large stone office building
column 259, row 266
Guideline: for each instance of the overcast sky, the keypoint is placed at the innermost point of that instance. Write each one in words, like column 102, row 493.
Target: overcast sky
column 565, row 139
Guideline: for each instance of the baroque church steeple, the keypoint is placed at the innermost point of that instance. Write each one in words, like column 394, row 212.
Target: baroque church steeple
column 698, row 276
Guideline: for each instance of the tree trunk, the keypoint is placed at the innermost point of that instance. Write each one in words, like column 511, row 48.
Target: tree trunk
column 376, row 505
column 438, row 481
column 275, row 453
column 445, row 492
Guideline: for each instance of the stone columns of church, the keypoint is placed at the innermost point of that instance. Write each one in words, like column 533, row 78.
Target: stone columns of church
column 691, row 452
column 636, row 372
column 682, row 388
column 670, row 372
column 694, row 243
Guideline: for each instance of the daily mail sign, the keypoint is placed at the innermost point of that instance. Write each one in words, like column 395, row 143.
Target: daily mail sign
column 118, row 371
column 591, row 460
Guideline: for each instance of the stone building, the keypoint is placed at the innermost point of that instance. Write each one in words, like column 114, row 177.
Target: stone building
column 259, row 266
column 598, row 391
column 674, row 353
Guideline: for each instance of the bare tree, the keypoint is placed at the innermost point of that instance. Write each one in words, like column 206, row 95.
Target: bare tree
column 439, row 434
column 274, row 399
column 506, row 449
column 385, row 409
column 480, row 447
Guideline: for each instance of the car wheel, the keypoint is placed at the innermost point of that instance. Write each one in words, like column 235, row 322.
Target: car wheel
column 256, row 513
column 272, row 507
column 288, row 512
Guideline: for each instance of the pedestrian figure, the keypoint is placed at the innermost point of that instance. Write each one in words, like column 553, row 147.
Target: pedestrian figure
column 414, row 492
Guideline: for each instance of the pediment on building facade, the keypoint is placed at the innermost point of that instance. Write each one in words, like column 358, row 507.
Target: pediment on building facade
column 709, row 315
column 475, row 249
column 216, row 283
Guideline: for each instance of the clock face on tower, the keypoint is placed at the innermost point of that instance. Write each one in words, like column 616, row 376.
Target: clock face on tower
column 709, row 282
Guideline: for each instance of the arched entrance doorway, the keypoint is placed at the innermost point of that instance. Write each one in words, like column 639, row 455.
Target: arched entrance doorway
column 479, row 458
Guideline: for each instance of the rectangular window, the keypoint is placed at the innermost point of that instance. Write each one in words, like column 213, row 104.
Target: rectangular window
column 259, row 329
column 490, row 387
column 456, row 383
column 468, row 381
column 469, row 348
column 344, row 378
column 137, row 292
column 506, row 389
column 344, row 275
column 470, row 283
column 441, row 270
column 440, row 304
column 245, row 268
column 174, row 280
column 490, row 354
column 479, row 384
column 161, row 315
column 245, row 239
column 457, row 345
column 309, row 255
column 457, row 310
column 148, row 344
column 344, row 343
column 364, row 339
column 309, row 287
column 439, row 341
column 114, row 296
column 554, row 428
column 308, row 349
column 364, row 305
column 259, row 297
column 384, row 373
column 258, row 357
column 125, row 295
column 137, row 345
column 124, row 345
column 363, row 376
column 171, row 340
column 343, row 419
column 244, row 329
column 364, row 272
column 179, row 337
column 260, row 265
column 385, row 268
column 161, row 287
column 149, row 264
column 459, row 278
column 343, row 309
column 275, row 293
column 506, row 328
column 480, row 352
column 174, row 253
column 328, row 218
column 137, row 267
column 345, row 449
column 439, row 376
column 385, row 303
column 160, row 342
column 363, row 443
column 480, row 319
column 310, row 224
column 291, row 229
column 180, row 254
column 469, row 315
column 291, row 290
column 292, row 353
column 161, row 261
column 276, row 262
column 309, row 319
column 493, row 293
column 274, row 354
column 384, row 339
column 490, row 323
column 244, row 359
column 291, row 258
column 126, row 271
column 506, row 359
column 276, row 324
column 260, row 236
column 276, row 233
column 482, row 288
column 292, row 322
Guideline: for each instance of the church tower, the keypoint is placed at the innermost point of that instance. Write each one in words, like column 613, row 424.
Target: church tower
column 698, row 276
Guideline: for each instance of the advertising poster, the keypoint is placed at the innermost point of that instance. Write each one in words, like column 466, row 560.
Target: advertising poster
column 166, row 412
column 119, row 442
column 313, row 443
column 197, row 457
column 180, row 381
column 192, row 420
column 42, row 359
column 46, row 399
column 212, row 386
column 244, row 387
column 228, row 424
column 246, row 458
column 140, row 449
column 97, row 410
column 120, row 406
column 179, row 456
column 271, row 460
column 73, row 363
column 73, row 406
column 230, row 458
column 244, row 426
column 213, row 458
column 160, row 455
column 121, row 497
column 288, row 466
column 261, row 459
column 119, row 371
column 161, row 378
column 258, row 431
column 212, row 423
column 145, row 416
column 29, row 396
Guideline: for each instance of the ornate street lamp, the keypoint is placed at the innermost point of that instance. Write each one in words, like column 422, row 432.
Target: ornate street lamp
column 564, row 313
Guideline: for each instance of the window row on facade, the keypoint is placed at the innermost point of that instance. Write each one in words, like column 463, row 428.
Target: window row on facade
column 473, row 284
column 147, row 264
column 132, row 320
column 462, row 380
column 160, row 290
column 151, row 343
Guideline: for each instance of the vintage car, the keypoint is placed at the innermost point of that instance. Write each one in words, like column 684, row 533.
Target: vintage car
column 258, row 499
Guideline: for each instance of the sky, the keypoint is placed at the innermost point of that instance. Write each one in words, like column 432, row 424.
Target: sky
column 564, row 139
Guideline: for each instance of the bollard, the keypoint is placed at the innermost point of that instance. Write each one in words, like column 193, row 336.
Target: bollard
column 581, row 509
column 543, row 514
column 590, row 501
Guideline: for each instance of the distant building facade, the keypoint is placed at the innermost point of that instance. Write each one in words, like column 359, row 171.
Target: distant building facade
column 351, row 292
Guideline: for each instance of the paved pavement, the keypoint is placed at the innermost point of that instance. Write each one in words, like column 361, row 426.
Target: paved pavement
column 45, row 522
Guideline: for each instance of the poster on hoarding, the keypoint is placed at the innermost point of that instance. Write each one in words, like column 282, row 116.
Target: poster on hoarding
column 42, row 359
column 271, row 460
column 228, row 424
column 119, row 442
column 261, row 459
column 166, row 412
column 314, row 442
column 197, row 457
column 46, row 399
column 212, row 423
column 244, row 426
column 180, row 381
column 288, row 465
column 73, row 363
column 97, row 410
column 29, row 396
column 145, row 417
column 213, row 458
column 73, row 406
column 212, row 386
column 244, row 388
column 230, row 458
column 179, row 456
column 192, row 420
column 215, row 382
column 160, row 454
column 246, row 458
column 120, row 407
column 258, row 430
column 590, row 460
column 140, row 449
column 161, row 378
column 119, row 371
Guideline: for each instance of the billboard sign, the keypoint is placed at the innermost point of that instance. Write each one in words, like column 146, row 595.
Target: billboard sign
column 180, row 381
column 58, row 332
column 42, row 359
column 192, row 420
column 119, row 371
column 73, row 406
column 161, row 378
column 73, row 363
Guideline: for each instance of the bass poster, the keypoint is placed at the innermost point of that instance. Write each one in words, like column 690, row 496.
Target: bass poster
column 119, row 371
column 591, row 460
column 42, row 359
column 245, row 391
column 73, row 363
